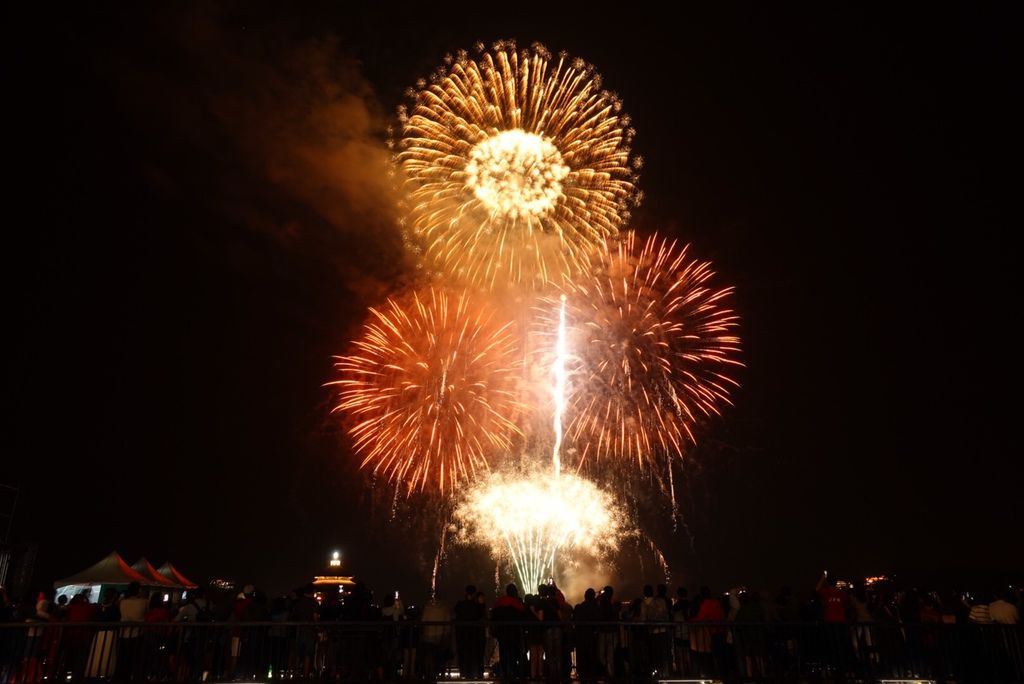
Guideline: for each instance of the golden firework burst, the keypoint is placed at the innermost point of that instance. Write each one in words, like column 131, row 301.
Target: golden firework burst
column 516, row 163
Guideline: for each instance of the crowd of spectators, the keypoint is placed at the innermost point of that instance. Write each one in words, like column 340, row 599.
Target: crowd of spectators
column 740, row 634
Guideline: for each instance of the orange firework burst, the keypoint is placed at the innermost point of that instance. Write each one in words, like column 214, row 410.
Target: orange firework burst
column 516, row 163
column 431, row 390
column 650, row 350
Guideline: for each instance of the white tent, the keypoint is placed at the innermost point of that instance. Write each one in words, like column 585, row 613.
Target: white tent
column 112, row 570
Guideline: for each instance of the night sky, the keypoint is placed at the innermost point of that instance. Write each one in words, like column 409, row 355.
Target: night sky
column 197, row 220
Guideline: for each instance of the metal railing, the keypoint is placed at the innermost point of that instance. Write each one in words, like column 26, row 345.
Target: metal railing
column 550, row 651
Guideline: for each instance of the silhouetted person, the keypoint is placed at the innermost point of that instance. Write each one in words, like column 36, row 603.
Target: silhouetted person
column 77, row 641
column 551, row 612
column 129, row 650
column 103, row 652
column 534, row 636
column 608, row 634
column 835, row 604
column 835, row 607
column 679, row 614
column 470, row 640
column 253, row 655
column 655, row 608
column 751, row 644
column 277, row 636
column 708, row 643
column 980, row 613
column 434, row 639
column 156, row 637
column 361, row 650
column 1003, row 611
column 305, row 610
column 509, row 608
column 661, row 592
column 586, row 637
column 786, row 606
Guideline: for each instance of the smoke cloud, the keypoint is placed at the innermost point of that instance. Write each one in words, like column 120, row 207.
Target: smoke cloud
column 280, row 133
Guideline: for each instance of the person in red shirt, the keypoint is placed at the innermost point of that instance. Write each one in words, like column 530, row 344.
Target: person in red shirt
column 509, row 608
column 242, row 602
column 708, row 642
column 78, row 639
column 710, row 609
column 158, row 611
column 80, row 610
column 156, row 637
column 835, row 604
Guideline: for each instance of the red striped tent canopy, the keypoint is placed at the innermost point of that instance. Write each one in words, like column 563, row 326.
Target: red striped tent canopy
column 170, row 572
column 111, row 569
column 144, row 568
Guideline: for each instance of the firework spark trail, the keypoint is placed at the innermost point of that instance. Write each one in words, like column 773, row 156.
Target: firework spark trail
column 661, row 560
column 437, row 561
column 559, row 388
column 515, row 163
column 672, row 494
column 430, row 390
column 653, row 347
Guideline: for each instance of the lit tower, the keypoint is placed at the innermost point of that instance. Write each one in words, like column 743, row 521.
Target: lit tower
column 333, row 579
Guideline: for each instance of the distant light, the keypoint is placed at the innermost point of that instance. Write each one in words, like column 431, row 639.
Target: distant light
column 335, row 561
